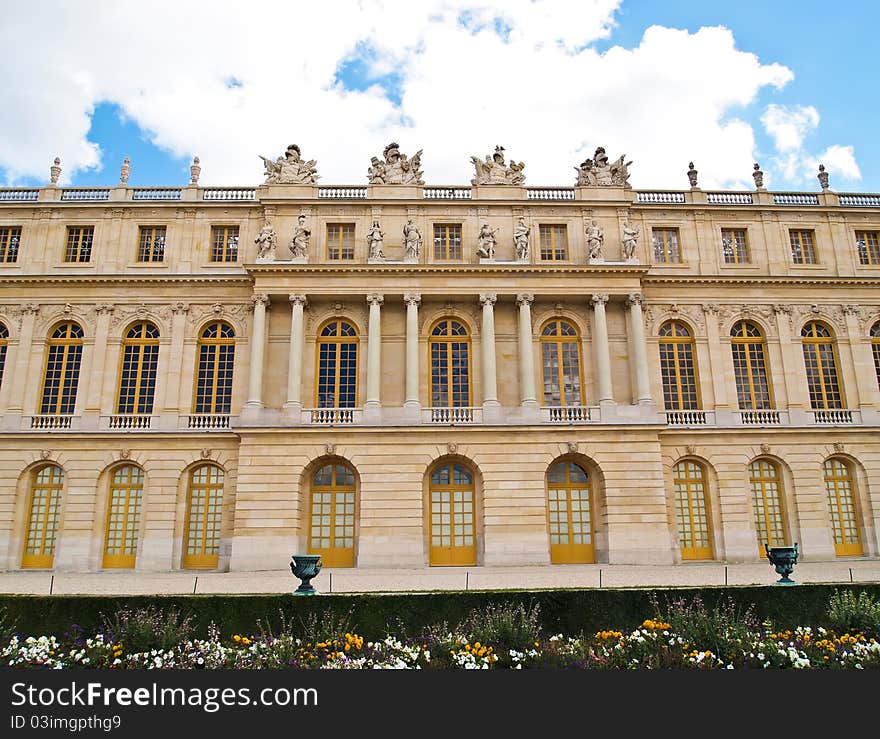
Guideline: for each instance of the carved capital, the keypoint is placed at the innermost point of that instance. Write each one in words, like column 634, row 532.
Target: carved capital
column 104, row 309
column 524, row 299
column 261, row 299
column 852, row 310
column 488, row 299
column 634, row 299
column 180, row 309
column 599, row 299
column 412, row 299
column 780, row 309
column 711, row 309
column 298, row 299
column 375, row 299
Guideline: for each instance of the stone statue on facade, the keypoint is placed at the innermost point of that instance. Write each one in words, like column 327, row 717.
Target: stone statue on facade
column 630, row 239
column 595, row 241
column 600, row 172
column 494, row 171
column 290, row 169
column 412, row 241
column 299, row 243
column 124, row 171
column 521, row 239
column 823, row 177
column 266, row 242
column 692, row 175
column 486, row 242
column 397, row 169
column 758, row 176
column 375, row 237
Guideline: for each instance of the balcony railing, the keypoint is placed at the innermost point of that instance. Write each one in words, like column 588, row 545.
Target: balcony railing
column 46, row 422
column 156, row 193
column 550, row 193
column 660, row 198
column 229, row 193
column 860, row 201
column 447, row 193
column 20, row 195
column 452, row 416
column 836, row 416
column 208, row 421
column 333, row 416
column 690, row 418
column 569, row 414
column 762, row 417
column 729, row 198
column 85, row 193
column 795, row 198
column 343, row 193
column 127, row 422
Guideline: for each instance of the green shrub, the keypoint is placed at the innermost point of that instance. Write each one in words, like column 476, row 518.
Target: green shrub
column 7, row 625
column 141, row 629
column 848, row 612
column 508, row 625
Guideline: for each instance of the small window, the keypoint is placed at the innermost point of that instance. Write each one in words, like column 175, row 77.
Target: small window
column 79, row 243
column 868, row 246
column 447, row 241
column 803, row 247
column 554, row 241
column 151, row 244
column 735, row 246
column 340, row 241
column 224, row 243
column 10, row 237
column 666, row 245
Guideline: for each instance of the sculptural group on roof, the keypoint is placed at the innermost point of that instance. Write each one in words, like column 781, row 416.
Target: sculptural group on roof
column 290, row 169
column 396, row 169
column 600, row 172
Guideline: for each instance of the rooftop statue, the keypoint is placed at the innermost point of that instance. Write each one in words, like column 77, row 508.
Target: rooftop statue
column 495, row 172
column 290, row 169
column 396, row 169
column 599, row 172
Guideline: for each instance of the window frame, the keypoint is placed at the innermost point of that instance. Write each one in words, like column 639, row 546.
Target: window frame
column 868, row 248
column 445, row 248
column 131, row 491
column 447, row 340
column 142, row 354
column 10, row 244
column 217, row 357
column 749, row 369
column 221, row 251
column 557, row 340
column 762, row 485
column 79, row 244
column 667, row 250
column 731, row 251
column 212, row 501
column 334, row 556
column 702, row 551
column 815, row 341
column 805, row 249
column 843, row 482
column 71, row 354
column 452, row 555
column 549, row 245
column 44, row 558
column 151, row 250
column 569, row 552
column 338, row 340
column 676, row 341
column 344, row 249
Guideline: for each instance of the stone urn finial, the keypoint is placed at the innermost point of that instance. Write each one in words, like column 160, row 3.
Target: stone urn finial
column 55, row 171
column 822, row 177
column 758, row 175
column 125, row 171
column 692, row 174
column 194, row 172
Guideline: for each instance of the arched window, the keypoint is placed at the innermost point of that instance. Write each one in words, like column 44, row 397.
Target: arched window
column 678, row 367
column 204, row 514
column 137, row 373
column 768, row 506
column 450, row 365
column 4, row 339
column 337, row 366
column 331, row 530
column 452, row 524
column 570, row 513
column 561, row 363
column 875, row 348
column 842, row 506
column 63, row 359
column 692, row 509
column 216, row 359
column 44, row 509
column 820, row 359
column 123, row 517
column 750, row 366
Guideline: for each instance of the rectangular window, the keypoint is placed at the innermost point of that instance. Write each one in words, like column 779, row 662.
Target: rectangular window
column 340, row 241
column 868, row 245
column 735, row 246
column 79, row 243
column 10, row 237
column 447, row 241
column 151, row 244
column 666, row 245
column 554, row 242
column 803, row 247
column 224, row 243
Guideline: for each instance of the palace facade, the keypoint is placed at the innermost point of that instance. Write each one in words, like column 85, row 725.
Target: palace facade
column 403, row 375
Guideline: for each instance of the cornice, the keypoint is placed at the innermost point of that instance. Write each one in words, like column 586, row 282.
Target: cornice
column 831, row 280
column 152, row 280
column 429, row 269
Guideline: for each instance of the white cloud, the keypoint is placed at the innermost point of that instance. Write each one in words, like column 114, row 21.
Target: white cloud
column 789, row 126
column 472, row 75
column 839, row 161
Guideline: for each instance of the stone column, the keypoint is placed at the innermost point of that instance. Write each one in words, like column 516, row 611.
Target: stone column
column 490, row 384
column 104, row 312
column 258, row 350
column 412, row 301
column 374, row 352
column 526, row 352
column 794, row 374
column 17, row 373
column 601, row 349
column 293, row 405
column 717, row 367
column 642, row 390
column 175, row 359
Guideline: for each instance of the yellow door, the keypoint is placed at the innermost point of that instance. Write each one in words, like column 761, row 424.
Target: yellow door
column 332, row 516
column 843, row 509
column 694, row 530
column 570, row 516
column 452, row 517
column 43, row 512
column 123, row 517
column 204, row 514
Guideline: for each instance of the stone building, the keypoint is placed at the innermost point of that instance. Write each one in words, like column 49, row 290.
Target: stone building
column 399, row 374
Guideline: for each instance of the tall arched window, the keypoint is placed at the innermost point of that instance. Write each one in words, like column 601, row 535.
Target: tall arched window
column 767, row 504
column 61, row 378
column 331, row 530
column 137, row 373
column 750, row 366
column 44, row 508
column 842, row 506
column 570, row 514
column 4, row 339
column 337, row 366
column 875, row 348
column 123, row 517
column 692, row 509
column 216, row 360
column 452, row 523
column 678, row 367
column 561, row 363
column 450, row 365
column 204, row 514
column 820, row 359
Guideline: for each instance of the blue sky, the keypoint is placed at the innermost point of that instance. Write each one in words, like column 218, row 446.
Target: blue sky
column 788, row 84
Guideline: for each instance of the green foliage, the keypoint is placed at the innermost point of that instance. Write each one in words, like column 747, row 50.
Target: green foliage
column 854, row 613
column 507, row 625
column 150, row 627
column 7, row 624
